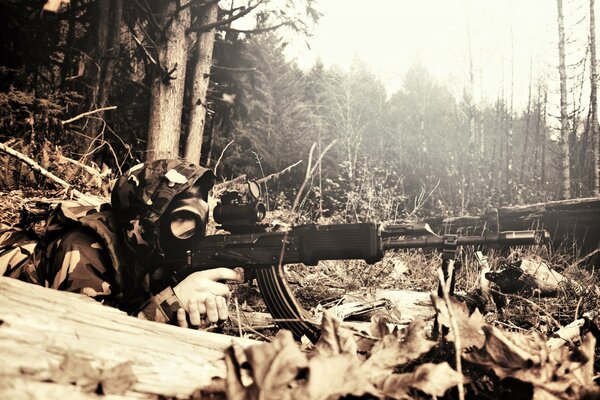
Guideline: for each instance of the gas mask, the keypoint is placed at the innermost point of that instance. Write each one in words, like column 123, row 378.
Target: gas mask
column 184, row 222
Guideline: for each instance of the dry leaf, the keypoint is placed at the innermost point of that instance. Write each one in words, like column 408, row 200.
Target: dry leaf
column 559, row 374
column 501, row 354
column 276, row 365
column 379, row 327
column 334, row 339
column 433, row 379
column 234, row 388
column 393, row 350
column 332, row 376
column 469, row 326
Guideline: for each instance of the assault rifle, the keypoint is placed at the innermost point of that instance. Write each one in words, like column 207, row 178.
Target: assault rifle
column 265, row 253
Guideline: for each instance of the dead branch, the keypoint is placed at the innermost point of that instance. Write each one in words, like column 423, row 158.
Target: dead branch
column 84, row 198
column 227, row 21
column 310, row 170
column 90, row 170
column 85, row 114
column 243, row 178
column 277, row 174
column 231, row 183
column 221, row 156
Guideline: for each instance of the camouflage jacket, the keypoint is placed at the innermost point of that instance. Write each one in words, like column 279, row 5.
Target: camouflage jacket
column 111, row 253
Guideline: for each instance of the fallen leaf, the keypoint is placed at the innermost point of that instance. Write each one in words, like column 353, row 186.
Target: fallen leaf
column 333, row 376
column 393, row 350
column 501, row 354
column 334, row 339
column 379, row 327
column 433, row 379
column 234, row 387
column 559, row 374
column 469, row 326
column 276, row 365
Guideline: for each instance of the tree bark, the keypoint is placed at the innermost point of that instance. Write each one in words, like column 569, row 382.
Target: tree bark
column 42, row 327
column 594, row 131
column 166, row 93
column 201, row 76
column 564, row 115
column 101, row 67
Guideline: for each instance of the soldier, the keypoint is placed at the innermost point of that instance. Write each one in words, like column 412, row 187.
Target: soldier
column 117, row 253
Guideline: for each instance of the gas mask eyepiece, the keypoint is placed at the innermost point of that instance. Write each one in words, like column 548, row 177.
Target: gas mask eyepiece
column 185, row 222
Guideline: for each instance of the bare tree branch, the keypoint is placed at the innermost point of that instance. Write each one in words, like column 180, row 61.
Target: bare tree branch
column 90, row 200
column 227, row 21
column 85, row 114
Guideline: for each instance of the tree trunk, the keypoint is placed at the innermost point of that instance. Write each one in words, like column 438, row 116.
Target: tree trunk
column 564, row 115
column 101, row 67
column 509, row 132
column 201, row 77
column 544, row 140
column 593, row 126
column 166, row 93
column 525, row 154
column 42, row 328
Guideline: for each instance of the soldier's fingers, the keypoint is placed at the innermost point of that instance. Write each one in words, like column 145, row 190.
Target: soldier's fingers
column 218, row 289
column 222, row 308
column 211, row 309
column 217, row 274
column 193, row 310
column 181, row 318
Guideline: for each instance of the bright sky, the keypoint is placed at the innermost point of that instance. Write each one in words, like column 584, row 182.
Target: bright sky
column 392, row 35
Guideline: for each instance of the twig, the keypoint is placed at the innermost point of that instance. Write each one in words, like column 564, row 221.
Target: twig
column 68, row 121
column 310, row 170
column 86, row 167
column 237, row 311
column 233, row 182
column 582, row 260
column 90, row 200
column 276, row 175
column 221, row 156
column 461, row 388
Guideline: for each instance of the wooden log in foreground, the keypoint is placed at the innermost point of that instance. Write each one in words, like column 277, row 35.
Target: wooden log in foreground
column 40, row 327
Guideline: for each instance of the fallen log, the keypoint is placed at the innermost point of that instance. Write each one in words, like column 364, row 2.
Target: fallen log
column 40, row 328
column 568, row 221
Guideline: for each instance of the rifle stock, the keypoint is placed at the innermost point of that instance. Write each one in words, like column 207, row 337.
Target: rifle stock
column 266, row 253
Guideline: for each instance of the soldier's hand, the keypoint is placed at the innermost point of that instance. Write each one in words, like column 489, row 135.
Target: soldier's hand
column 204, row 298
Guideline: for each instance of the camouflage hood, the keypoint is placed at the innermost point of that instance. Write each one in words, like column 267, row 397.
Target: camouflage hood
column 141, row 196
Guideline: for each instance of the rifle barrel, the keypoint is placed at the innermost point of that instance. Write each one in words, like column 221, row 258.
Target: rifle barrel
column 508, row 238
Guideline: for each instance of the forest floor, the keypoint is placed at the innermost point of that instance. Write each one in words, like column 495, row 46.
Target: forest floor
column 513, row 349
